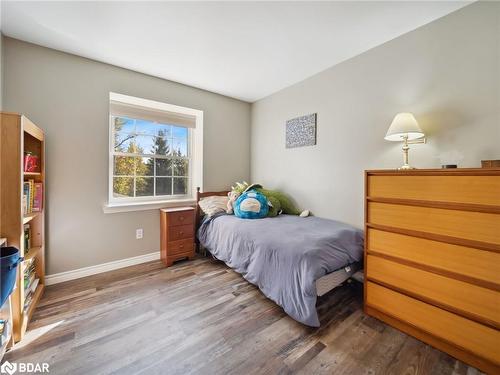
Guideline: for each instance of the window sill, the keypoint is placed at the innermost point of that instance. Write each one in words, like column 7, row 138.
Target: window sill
column 111, row 208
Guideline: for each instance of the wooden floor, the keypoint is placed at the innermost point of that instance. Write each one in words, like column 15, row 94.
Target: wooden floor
column 200, row 317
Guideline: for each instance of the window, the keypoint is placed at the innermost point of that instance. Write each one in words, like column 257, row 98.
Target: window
column 155, row 151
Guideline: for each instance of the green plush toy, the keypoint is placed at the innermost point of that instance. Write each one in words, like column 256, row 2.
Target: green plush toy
column 279, row 202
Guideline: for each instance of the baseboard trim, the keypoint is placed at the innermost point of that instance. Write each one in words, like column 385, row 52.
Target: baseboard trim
column 99, row 268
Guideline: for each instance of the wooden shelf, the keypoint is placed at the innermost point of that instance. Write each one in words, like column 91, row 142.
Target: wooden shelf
column 27, row 218
column 32, row 129
column 32, row 174
column 32, row 253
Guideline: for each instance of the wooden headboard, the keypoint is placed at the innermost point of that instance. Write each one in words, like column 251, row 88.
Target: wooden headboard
column 200, row 195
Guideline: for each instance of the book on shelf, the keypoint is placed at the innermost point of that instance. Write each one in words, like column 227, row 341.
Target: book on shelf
column 32, row 197
column 28, row 296
column 34, row 285
column 27, row 238
column 29, row 270
column 31, row 287
column 26, row 197
column 30, row 282
column 27, row 302
column 37, row 196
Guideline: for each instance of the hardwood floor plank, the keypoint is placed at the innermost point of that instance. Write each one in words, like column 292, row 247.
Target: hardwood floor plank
column 200, row 317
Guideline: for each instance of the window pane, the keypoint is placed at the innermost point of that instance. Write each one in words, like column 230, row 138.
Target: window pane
column 179, row 132
column 123, row 186
column 144, row 167
column 144, row 186
column 163, row 167
column 164, row 186
column 145, row 144
column 161, row 146
column 124, row 165
column 179, row 147
column 125, row 142
column 164, row 131
column 180, row 185
column 152, row 128
column 151, row 175
column 181, row 167
column 145, row 127
column 123, row 125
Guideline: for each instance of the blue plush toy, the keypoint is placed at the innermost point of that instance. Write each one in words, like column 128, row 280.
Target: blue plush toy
column 251, row 205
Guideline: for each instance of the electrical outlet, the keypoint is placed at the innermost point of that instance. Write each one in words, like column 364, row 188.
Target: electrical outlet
column 138, row 234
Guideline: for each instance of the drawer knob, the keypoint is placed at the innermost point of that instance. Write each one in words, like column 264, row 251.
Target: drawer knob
column 181, row 246
column 181, row 233
column 181, row 218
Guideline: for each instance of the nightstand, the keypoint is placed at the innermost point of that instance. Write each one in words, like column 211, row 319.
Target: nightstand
column 176, row 234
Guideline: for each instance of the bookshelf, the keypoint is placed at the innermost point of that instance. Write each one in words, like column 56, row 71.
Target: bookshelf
column 19, row 136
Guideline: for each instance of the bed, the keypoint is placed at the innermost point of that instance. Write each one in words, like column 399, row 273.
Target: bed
column 290, row 259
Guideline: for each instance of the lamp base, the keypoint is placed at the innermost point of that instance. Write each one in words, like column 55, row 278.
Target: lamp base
column 406, row 167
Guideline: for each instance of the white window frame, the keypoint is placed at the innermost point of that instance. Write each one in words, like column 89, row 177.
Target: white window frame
column 195, row 153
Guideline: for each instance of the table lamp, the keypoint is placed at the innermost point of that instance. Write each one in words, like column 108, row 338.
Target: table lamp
column 405, row 128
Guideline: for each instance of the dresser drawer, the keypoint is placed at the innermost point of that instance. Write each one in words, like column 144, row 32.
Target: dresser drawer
column 180, row 217
column 180, row 232
column 180, row 247
column 458, row 189
column 467, row 299
column 470, row 262
column 467, row 334
column 476, row 226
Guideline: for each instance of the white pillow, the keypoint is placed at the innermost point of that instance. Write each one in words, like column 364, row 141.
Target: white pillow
column 213, row 205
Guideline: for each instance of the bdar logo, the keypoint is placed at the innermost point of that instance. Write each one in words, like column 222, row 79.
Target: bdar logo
column 8, row 368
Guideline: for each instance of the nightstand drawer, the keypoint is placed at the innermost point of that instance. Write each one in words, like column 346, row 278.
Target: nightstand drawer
column 180, row 232
column 180, row 247
column 180, row 217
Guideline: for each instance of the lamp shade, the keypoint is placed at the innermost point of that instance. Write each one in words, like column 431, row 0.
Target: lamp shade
column 404, row 124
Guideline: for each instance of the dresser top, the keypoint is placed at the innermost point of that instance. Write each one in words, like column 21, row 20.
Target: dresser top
column 435, row 172
column 175, row 209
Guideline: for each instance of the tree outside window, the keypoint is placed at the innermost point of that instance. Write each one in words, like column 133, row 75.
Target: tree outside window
column 149, row 159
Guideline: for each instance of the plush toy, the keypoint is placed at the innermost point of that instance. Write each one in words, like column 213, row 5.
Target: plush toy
column 278, row 202
column 251, row 205
column 233, row 195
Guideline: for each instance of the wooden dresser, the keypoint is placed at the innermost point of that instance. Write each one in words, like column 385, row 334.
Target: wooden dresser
column 176, row 234
column 432, row 258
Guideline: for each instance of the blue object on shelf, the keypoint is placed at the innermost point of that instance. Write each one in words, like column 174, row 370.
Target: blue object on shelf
column 9, row 259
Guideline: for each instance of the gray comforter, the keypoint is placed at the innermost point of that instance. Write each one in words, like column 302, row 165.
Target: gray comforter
column 283, row 256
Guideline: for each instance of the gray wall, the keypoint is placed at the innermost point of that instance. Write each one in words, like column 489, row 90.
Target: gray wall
column 446, row 72
column 68, row 96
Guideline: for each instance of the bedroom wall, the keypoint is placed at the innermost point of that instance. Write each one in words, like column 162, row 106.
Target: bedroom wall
column 68, row 96
column 447, row 73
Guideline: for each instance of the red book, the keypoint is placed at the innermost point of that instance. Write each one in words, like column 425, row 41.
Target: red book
column 37, row 197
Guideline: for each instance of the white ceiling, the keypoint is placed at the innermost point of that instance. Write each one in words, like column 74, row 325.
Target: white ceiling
column 246, row 50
